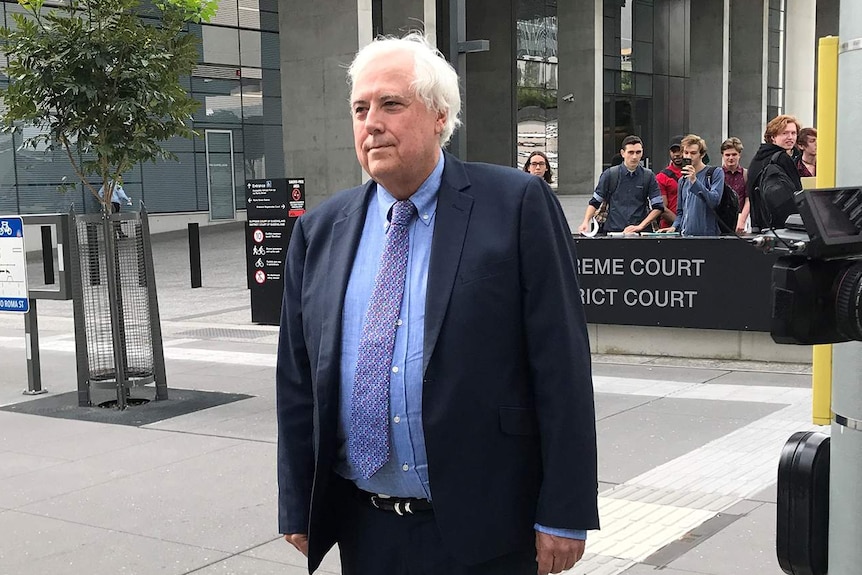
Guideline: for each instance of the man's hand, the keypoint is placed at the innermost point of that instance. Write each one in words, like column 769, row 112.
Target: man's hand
column 632, row 230
column 689, row 172
column 584, row 227
column 557, row 554
column 300, row 541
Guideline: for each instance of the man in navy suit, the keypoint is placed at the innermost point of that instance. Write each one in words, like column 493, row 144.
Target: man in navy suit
column 484, row 458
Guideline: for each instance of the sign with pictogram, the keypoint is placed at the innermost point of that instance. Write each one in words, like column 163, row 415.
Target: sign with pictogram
column 14, row 295
column 273, row 206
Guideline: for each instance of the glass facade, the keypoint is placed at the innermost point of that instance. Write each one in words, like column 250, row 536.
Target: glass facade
column 537, row 80
column 238, row 85
column 627, row 66
column 775, row 59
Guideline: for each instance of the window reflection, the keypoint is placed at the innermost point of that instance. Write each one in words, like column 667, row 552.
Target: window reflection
column 537, row 82
column 219, row 45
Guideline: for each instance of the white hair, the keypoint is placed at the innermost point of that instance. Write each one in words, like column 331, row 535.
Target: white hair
column 434, row 79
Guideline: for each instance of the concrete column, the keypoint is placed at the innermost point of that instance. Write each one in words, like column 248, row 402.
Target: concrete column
column 747, row 106
column 579, row 73
column 491, row 96
column 845, row 488
column 801, row 54
column 708, row 72
column 318, row 39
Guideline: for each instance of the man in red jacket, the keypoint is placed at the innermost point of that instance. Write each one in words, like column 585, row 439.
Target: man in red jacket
column 668, row 180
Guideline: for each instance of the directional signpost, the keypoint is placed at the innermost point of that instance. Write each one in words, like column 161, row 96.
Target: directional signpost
column 15, row 295
column 273, row 206
column 13, row 266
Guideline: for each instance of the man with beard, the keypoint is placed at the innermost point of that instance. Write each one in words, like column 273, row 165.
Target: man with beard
column 779, row 136
column 668, row 182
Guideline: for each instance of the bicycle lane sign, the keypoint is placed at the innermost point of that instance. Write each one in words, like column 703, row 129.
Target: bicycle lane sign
column 14, row 296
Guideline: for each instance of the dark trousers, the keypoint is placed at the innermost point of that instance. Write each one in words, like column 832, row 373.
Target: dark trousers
column 375, row 542
column 115, row 207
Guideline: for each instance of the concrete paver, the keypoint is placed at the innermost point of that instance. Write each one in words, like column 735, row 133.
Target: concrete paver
column 681, row 441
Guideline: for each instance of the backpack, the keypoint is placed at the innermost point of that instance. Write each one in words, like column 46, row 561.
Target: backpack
column 772, row 199
column 727, row 210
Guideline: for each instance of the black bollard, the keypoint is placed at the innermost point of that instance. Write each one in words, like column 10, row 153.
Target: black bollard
column 195, row 254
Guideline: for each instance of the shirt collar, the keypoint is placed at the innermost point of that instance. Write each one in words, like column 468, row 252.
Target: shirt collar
column 632, row 173
column 425, row 198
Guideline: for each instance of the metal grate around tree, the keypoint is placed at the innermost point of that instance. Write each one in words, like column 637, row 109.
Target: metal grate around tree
column 124, row 329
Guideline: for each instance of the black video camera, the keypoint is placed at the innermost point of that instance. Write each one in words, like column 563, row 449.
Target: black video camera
column 817, row 286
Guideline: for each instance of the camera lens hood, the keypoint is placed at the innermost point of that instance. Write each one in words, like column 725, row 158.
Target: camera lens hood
column 848, row 302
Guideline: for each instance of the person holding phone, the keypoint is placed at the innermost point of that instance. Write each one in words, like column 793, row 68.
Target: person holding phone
column 699, row 195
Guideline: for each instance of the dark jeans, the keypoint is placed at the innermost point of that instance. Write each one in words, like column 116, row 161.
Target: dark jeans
column 374, row 542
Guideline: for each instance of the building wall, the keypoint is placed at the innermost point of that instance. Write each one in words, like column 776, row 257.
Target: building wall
column 238, row 84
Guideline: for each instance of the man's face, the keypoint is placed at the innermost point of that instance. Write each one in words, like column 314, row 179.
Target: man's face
column 397, row 138
column 632, row 155
column 787, row 138
column 811, row 147
column 730, row 157
column 676, row 155
column 693, row 151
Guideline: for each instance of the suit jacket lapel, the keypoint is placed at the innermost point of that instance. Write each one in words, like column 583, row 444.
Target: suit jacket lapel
column 344, row 241
column 453, row 216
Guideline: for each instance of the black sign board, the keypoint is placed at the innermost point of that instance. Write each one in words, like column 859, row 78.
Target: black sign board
column 711, row 283
column 273, row 206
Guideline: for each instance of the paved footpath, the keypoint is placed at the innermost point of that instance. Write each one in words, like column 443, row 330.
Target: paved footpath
column 688, row 451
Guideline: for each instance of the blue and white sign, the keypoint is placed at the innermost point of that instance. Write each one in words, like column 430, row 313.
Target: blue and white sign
column 13, row 266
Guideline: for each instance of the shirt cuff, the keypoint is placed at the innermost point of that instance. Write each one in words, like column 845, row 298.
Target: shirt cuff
column 567, row 533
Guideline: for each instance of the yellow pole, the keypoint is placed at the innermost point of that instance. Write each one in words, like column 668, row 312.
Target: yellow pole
column 827, row 125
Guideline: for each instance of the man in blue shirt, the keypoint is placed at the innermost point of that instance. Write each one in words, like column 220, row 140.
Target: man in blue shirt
column 630, row 191
column 434, row 397
column 118, row 195
column 699, row 195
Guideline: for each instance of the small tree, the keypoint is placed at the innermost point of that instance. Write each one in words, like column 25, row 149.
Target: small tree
column 101, row 79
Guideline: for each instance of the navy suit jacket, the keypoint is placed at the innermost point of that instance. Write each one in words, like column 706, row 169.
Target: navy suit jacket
column 507, row 393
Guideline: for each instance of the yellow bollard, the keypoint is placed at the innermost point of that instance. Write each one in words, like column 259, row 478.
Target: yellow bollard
column 827, row 125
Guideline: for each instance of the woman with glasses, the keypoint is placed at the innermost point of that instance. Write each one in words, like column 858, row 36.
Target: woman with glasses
column 538, row 165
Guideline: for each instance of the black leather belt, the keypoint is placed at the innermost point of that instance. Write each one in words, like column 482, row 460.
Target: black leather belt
column 398, row 505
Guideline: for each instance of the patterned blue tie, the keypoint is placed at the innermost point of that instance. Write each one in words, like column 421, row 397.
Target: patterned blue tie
column 368, row 437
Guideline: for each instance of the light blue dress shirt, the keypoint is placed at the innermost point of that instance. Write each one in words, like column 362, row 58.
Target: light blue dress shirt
column 118, row 196
column 406, row 472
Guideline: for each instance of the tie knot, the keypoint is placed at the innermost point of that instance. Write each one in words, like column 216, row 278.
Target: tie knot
column 402, row 213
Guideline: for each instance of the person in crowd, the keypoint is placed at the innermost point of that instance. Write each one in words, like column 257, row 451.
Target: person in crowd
column 698, row 196
column 668, row 181
column 736, row 177
column 806, row 142
column 538, row 165
column 779, row 136
column 416, row 445
column 632, row 194
column 118, row 195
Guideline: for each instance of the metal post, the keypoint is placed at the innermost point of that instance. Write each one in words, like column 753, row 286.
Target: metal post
column 195, row 254
column 47, row 255
column 159, row 371
column 827, row 121
column 845, row 490
column 34, row 370
column 458, row 59
column 115, row 302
